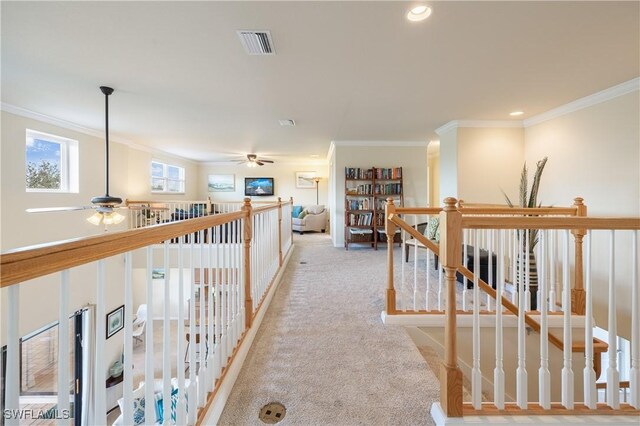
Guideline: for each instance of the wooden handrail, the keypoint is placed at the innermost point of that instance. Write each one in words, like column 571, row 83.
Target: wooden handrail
column 414, row 233
column 623, row 385
column 602, row 223
column 538, row 211
column 418, row 210
column 36, row 261
column 262, row 209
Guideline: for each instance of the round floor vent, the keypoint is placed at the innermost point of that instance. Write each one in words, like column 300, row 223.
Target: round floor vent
column 272, row 413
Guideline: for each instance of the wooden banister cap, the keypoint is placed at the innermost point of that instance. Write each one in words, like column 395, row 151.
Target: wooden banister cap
column 279, row 200
column 578, row 201
column 247, row 201
column 450, row 204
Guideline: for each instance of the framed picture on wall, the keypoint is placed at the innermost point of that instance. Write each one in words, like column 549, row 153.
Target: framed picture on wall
column 304, row 180
column 115, row 321
column 222, row 183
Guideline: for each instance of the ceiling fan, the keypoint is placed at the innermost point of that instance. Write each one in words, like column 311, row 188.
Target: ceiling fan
column 105, row 206
column 253, row 161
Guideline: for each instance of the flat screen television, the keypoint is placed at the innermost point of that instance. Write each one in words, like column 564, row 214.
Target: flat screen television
column 258, row 186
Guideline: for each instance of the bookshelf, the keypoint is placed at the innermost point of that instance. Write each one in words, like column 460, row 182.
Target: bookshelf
column 366, row 192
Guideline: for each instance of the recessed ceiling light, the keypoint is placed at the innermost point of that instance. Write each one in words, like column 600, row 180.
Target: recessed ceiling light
column 419, row 13
column 516, row 113
column 287, row 123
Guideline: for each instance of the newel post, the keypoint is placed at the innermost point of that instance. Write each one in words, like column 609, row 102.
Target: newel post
column 280, row 231
column 291, row 219
column 450, row 247
column 248, row 232
column 390, row 230
column 578, row 301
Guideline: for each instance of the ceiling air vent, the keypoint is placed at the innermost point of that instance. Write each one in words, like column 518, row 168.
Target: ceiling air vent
column 257, row 42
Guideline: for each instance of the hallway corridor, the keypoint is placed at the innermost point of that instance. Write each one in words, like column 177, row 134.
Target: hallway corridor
column 323, row 352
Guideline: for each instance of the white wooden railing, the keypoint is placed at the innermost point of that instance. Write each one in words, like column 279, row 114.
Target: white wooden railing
column 143, row 213
column 225, row 262
column 559, row 389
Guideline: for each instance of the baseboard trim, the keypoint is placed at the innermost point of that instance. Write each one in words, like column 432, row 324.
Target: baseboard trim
column 222, row 395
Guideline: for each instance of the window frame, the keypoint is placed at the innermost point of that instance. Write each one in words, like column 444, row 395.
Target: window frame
column 69, row 162
column 182, row 181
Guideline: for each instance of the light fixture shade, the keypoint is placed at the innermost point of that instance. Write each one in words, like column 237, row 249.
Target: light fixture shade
column 112, row 218
column 251, row 164
column 95, row 218
column 108, row 218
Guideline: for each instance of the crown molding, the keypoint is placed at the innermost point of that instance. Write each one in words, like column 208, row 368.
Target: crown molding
column 23, row 112
column 379, row 143
column 305, row 163
column 479, row 124
column 594, row 99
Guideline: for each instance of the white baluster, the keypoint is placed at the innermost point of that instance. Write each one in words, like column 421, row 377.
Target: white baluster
column 166, row 339
column 149, row 362
column 465, row 242
column 589, row 375
column 12, row 379
column 201, row 340
column 498, row 372
column 514, row 265
column 100, row 366
column 552, row 270
column 182, row 399
column 218, row 305
column 213, row 275
column 428, row 278
column 476, row 376
column 440, row 284
column 527, row 270
column 489, row 242
column 544, row 377
column 191, row 409
column 415, row 266
column 567, row 371
column 63, row 347
column 227, row 294
column 402, row 274
column 223, row 299
column 521, row 372
column 127, row 367
column 613, row 375
column 634, row 374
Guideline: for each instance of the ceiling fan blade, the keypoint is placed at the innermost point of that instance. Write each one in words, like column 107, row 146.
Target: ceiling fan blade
column 259, row 163
column 266, row 161
column 58, row 209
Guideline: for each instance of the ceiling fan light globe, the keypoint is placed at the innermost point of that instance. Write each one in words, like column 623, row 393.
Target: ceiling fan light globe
column 112, row 218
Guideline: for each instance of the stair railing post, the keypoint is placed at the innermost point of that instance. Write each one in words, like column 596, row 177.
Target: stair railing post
column 291, row 219
column 450, row 247
column 390, row 230
column 578, row 301
column 279, row 231
column 248, row 232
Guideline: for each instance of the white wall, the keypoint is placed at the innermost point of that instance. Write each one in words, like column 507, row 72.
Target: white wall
column 448, row 164
column 129, row 178
column 489, row 160
column 284, row 181
column 412, row 159
column 594, row 153
column 434, row 180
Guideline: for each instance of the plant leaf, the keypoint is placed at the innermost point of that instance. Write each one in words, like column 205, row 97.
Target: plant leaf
column 533, row 198
column 506, row 197
column 523, row 186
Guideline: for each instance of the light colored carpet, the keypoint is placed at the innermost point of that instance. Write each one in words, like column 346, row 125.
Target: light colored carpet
column 324, row 353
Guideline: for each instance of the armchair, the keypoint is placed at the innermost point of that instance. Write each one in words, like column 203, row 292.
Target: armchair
column 312, row 218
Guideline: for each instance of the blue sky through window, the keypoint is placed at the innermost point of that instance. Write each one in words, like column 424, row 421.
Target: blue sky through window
column 39, row 150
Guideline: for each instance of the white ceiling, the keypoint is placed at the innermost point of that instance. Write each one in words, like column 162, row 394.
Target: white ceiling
column 342, row 70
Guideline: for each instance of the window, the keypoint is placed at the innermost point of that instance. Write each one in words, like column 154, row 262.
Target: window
column 166, row 178
column 51, row 163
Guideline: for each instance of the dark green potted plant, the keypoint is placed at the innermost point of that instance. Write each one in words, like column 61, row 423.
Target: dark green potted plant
column 529, row 199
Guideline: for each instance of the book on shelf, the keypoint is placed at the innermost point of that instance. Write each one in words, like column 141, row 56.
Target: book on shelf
column 358, row 173
column 388, row 188
column 360, row 219
column 394, row 173
column 362, row 189
column 359, row 204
